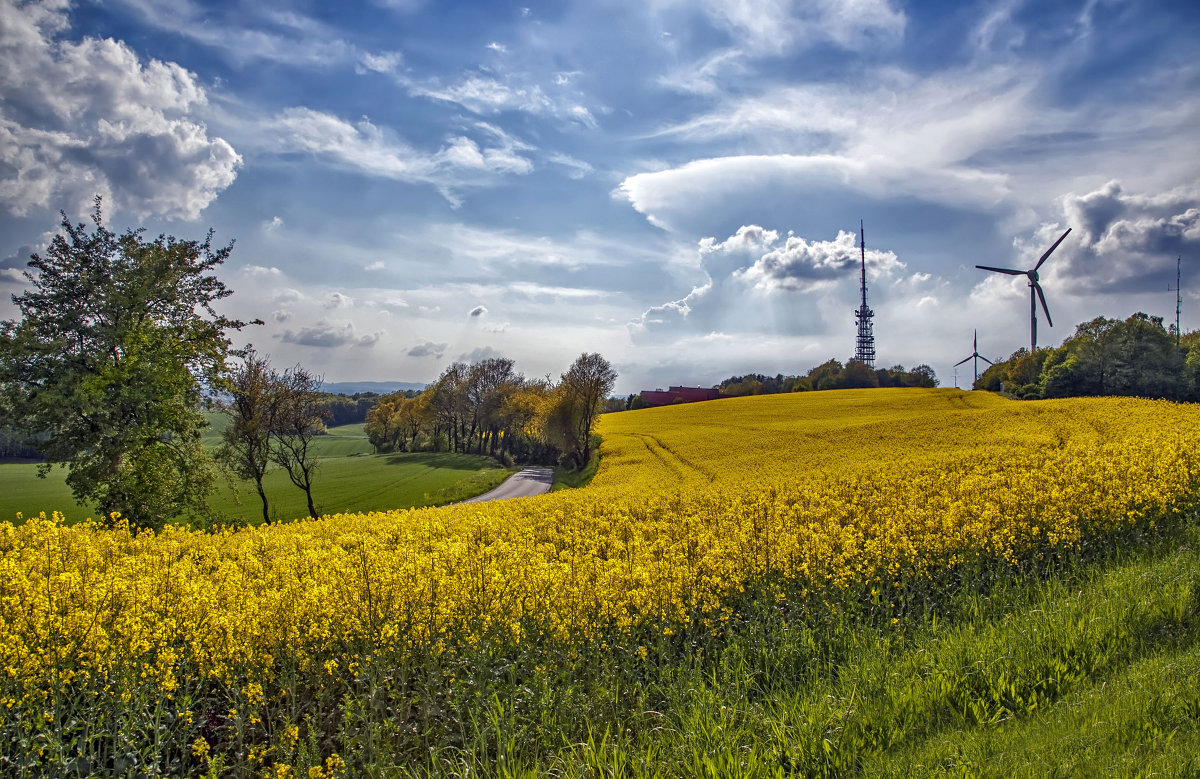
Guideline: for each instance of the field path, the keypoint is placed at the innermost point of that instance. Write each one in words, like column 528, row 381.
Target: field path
column 523, row 484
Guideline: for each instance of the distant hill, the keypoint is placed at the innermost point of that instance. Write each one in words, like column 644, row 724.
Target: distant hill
column 381, row 387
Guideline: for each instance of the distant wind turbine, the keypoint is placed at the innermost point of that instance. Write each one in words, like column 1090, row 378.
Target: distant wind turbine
column 1035, row 289
column 976, row 356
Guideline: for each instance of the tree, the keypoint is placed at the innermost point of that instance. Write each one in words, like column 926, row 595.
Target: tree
column 117, row 346
column 297, row 419
column 584, row 386
column 251, row 408
column 383, row 423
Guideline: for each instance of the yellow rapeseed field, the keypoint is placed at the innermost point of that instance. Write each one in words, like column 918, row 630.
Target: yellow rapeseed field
column 815, row 498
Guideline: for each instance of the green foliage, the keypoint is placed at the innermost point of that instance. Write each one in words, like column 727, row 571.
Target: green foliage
column 829, row 375
column 108, row 366
column 1135, row 357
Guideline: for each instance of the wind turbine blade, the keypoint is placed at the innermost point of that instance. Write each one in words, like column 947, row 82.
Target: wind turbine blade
column 1047, row 254
column 1009, row 271
column 960, row 362
column 989, row 362
column 1041, row 297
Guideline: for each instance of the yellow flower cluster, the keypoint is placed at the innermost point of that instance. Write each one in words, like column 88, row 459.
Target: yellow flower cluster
column 825, row 492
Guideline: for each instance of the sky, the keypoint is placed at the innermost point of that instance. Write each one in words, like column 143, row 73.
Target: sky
column 675, row 184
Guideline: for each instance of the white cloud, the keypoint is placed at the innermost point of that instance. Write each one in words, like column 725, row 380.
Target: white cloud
column 288, row 295
column 376, row 152
column 377, row 265
column 87, row 117
column 326, row 333
column 257, row 32
column 387, row 63
column 487, row 95
column 576, row 169
column 499, row 48
column 802, row 265
column 477, row 312
column 272, row 224
column 262, row 271
column 663, row 195
column 479, row 354
column 773, row 27
column 428, row 349
column 1121, row 242
column 338, row 300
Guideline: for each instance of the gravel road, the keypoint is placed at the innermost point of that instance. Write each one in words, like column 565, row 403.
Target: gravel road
column 522, row 484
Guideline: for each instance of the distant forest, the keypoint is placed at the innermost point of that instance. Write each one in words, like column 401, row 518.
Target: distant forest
column 826, row 376
column 1136, row 357
column 337, row 409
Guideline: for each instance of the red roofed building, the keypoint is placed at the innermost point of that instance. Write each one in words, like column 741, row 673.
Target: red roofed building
column 679, row 395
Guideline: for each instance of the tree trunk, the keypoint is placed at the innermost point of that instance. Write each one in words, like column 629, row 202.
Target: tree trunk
column 262, row 494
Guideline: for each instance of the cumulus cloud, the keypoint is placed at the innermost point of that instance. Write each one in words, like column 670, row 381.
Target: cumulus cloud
column 477, row 312
column 428, row 349
column 338, row 300
column 273, row 224
column 262, row 271
column 803, row 265
column 326, row 333
column 1121, row 241
column 757, row 280
column 87, row 117
column 479, row 355
column 287, row 295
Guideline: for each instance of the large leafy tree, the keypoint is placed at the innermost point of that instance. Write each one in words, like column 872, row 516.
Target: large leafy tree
column 117, row 346
column 584, row 387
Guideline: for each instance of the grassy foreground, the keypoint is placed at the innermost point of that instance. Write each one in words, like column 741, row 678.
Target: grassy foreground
column 349, row 479
column 863, row 583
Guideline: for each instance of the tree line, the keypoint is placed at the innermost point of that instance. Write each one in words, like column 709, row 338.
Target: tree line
column 1137, row 356
column 829, row 375
column 489, row 408
column 119, row 351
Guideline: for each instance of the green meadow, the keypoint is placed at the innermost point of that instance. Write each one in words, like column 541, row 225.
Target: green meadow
column 350, row 478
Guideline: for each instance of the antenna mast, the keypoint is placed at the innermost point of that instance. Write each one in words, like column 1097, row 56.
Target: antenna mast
column 1178, row 298
column 864, row 350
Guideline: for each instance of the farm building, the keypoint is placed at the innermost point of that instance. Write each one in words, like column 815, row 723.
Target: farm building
column 679, row 395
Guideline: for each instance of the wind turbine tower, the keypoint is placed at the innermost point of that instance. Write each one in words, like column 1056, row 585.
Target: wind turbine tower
column 864, row 349
column 976, row 356
column 1035, row 290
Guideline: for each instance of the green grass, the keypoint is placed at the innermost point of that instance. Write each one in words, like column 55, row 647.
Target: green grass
column 352, row 482
column 1091, row 671
column 569, row 478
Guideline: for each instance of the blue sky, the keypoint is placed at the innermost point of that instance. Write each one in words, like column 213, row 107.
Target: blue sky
column 676, row 185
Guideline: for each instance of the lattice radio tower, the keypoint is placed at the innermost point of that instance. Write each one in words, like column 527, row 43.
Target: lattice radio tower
column 1178, row 290
column 864, row 349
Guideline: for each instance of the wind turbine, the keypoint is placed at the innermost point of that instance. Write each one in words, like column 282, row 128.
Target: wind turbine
column 975, row 355
column 1034, row 289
